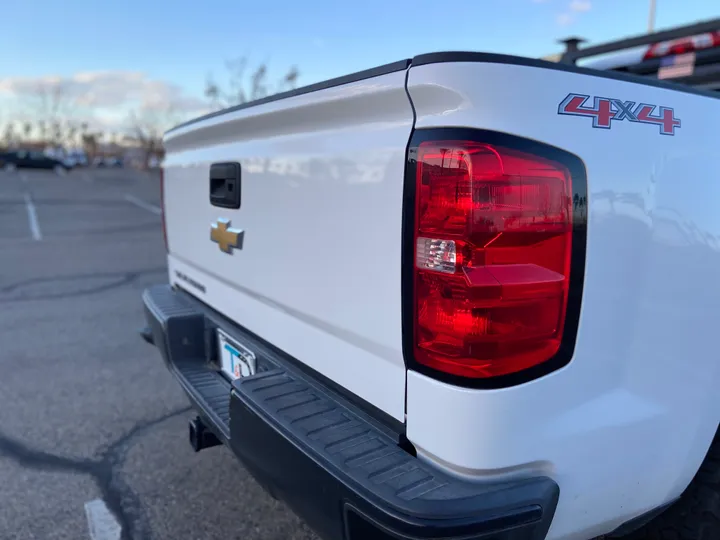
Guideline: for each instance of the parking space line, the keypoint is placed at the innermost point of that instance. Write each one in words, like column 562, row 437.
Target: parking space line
column 142, row 204
column 32, row 218
column 23, row 177
column 102, row 525
column 86, row 176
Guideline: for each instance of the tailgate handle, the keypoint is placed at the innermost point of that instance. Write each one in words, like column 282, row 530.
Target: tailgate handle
column 225, row 185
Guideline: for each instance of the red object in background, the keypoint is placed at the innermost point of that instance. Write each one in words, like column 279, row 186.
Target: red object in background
column 683, row 45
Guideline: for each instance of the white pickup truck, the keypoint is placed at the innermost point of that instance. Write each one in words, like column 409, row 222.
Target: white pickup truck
column 463, row 296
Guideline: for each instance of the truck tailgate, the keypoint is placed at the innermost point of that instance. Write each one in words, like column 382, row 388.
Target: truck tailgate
column 318, row 270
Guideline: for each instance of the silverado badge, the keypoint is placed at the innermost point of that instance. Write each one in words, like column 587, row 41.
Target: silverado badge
column 226, row 237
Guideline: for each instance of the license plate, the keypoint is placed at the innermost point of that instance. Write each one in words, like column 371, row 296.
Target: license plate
column 235, row 360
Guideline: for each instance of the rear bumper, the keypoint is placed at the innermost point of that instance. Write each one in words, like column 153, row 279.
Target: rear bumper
column 338, row 468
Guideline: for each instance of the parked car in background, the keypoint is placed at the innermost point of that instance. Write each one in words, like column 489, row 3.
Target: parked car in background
column 115, row 162
column 22, row 159
column 76, row 160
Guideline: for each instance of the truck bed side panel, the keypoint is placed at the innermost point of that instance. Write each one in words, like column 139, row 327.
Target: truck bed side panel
column 624, row 426
column 319, row 272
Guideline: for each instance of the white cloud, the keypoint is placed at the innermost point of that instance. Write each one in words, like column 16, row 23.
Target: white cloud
column 104, row 96
column 580, row 6
column 565, row 19
column 574, row 8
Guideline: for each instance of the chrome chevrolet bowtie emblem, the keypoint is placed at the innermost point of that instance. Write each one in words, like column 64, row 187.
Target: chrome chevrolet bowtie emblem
column 226, row 237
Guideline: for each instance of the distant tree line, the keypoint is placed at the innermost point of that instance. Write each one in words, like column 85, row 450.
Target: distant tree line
column 56, row 121
column 67, row 133
column 241, row 89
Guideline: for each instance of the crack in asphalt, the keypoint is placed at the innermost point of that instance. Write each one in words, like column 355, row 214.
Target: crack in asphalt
column 144, row 227
column 91, row 203
column 149, row 227
column 71, row 277
column 119, row 279
column 106, row 471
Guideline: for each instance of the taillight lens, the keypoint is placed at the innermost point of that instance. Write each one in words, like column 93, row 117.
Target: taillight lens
column 162, row 206
column 493, row 243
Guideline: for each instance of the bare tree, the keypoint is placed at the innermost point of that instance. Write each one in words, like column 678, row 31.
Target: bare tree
column 27, row 130
column 71, row 134
column 289, row 81
column 147, row 127
column 213, row 93
column 90, row 145
column 241, row 89
column 42, row 129
column 259, row 83
column 9, row 135
column 56, row 133
column 51, row 103
column 236, row 93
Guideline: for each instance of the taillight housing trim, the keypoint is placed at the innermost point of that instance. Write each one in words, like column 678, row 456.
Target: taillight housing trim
column 578, row 175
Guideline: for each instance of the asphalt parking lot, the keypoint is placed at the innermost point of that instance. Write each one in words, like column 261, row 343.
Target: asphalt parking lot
column 93, row 429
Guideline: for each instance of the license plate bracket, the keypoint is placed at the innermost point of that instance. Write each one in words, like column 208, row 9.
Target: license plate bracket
column 236, row 361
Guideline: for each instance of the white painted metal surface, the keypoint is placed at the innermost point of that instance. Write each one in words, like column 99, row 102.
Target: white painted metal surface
column 319, row 272
column 612, row 60
column 624, row 427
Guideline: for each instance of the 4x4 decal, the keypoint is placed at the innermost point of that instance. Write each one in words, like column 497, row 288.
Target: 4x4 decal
column 605, row 110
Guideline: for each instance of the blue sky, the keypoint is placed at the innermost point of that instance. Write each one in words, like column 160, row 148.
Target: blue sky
column 181, row 41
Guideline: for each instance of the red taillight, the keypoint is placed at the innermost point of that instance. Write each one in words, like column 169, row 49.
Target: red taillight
column 162, row 206
column 493, row 242
column 684, row 45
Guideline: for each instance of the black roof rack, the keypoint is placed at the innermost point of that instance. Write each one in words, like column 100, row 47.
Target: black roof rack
column 572, row 54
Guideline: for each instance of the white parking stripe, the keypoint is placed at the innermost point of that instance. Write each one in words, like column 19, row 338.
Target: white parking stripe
column 142, row 204
column 86, row 176
column 102, row 525
column 32, row 218
column 23, row 177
